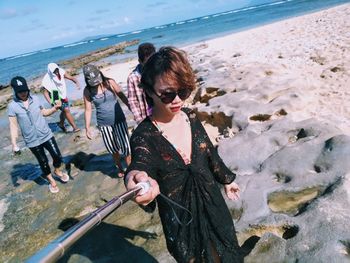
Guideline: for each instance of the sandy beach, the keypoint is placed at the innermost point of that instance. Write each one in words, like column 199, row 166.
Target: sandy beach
column 276, row 101
column 305, row 56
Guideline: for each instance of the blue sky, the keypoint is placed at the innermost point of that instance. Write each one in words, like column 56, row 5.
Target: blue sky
column 30, row 25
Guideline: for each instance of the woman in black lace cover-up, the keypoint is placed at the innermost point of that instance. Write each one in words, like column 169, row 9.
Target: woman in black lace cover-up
column 172, row 151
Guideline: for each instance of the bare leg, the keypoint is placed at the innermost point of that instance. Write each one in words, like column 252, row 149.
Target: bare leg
column 214, row 253
column 116, row 157
column 58, row 172
column 62, row 175
column 51, row 180
column 62, row 118
column 128, row 160
column 70, row 118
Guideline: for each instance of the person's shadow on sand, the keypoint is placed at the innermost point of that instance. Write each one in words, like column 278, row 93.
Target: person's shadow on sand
column 28, row 172
column 107, row 243
column 91, row 162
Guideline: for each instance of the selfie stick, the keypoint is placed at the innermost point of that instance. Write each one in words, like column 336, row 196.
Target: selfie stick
column 57, row 248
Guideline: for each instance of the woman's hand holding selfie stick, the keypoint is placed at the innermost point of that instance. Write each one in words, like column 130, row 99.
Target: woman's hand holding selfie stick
column 145, row 197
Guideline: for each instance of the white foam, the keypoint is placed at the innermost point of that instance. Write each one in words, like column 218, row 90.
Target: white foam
column 276, row 3
column 75, row 44
column 23, row 55
column 160, row 27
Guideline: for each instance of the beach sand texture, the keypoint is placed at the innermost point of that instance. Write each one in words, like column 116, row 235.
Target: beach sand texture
column 276, row 101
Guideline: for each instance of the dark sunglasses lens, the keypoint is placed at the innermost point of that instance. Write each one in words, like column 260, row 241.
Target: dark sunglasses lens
column 168, row 97
column 184, row 93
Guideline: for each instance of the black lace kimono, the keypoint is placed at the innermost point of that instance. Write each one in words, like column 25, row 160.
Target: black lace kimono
column 193, row 186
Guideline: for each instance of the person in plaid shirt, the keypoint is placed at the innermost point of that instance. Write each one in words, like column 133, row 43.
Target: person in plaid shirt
column 136, row 95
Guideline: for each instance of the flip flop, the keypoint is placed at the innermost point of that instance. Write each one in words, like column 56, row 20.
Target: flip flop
column 64, row 177
column 121, row 173
column 76, row 130
column 53, row 189
column 62, row 127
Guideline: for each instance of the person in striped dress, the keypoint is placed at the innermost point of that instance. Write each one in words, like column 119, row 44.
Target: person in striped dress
column 103, row 92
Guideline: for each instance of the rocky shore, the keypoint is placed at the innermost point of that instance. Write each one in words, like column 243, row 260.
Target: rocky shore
column 274, row 99
column 72, row 66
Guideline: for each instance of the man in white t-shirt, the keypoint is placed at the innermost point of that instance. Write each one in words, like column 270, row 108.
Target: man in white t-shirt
column 55, row 88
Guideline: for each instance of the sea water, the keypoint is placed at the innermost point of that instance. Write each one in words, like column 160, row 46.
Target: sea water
column 178, row 33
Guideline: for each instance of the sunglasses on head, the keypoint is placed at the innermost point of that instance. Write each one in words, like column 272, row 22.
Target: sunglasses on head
column 168, row 96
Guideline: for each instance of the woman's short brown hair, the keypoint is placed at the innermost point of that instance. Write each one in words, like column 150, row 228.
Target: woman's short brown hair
column 170, row 64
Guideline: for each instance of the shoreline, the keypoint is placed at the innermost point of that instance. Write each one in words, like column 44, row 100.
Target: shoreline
column 120, row 70
column 72, row 65
column 276, row 101
column 198, row 39
column 288, row 51
column 226, row 45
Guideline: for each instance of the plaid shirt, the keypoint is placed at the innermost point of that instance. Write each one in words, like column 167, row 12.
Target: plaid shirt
column 136, row 96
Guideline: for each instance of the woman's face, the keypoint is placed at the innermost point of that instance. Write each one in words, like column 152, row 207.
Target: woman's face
column 23, row 95
column 161, row 87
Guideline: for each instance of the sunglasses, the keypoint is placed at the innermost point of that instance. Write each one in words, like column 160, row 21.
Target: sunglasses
column 168, row 96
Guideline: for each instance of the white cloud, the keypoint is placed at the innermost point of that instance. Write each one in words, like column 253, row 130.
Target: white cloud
column 8, row 13
column 110, row 24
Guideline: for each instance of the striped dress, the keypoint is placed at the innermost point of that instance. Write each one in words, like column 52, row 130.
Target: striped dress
column 111, row 122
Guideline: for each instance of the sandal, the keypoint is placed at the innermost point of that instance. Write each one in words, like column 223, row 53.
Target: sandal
column 76, row 130
column 121, row 173
column 53, row 189
column 63, row 177
column 62, row 127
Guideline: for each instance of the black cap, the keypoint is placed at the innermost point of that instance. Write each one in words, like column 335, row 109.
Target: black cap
column 19, row 84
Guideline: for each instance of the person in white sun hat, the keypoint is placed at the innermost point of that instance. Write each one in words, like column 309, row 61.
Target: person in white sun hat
column 54, row 85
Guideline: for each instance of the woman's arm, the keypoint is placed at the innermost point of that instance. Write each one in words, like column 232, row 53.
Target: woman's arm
column 87, row 113
column 221, row 172
column 117, row 90
column 73, row 79
column 14, row 133
column 47, row 95
column 143, row 166
column 48, row 112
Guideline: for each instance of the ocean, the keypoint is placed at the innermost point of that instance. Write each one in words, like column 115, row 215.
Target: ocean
column 179, row 33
